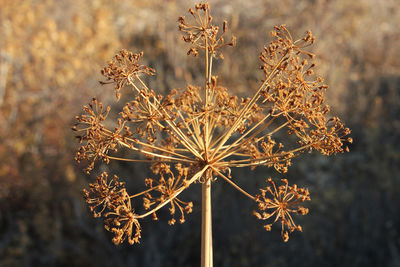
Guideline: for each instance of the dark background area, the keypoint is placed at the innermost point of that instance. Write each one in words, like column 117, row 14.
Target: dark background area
column 51, row 53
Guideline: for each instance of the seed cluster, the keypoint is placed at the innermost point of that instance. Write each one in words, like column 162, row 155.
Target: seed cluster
column 201, row 132
column 285, row 200
column 202, row 34
column 110, row 199
column 125, row 66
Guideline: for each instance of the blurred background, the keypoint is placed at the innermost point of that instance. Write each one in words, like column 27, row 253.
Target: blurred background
column 51, row 53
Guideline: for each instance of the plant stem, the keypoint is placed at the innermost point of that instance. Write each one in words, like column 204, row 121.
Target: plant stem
column 206, row 231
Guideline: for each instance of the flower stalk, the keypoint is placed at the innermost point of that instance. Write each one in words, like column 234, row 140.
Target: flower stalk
column 206, row 225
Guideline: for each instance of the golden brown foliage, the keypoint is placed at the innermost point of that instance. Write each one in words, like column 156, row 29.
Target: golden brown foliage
column 41, row 59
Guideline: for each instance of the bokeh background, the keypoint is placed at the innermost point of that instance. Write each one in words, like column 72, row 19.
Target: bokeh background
column 51, row 52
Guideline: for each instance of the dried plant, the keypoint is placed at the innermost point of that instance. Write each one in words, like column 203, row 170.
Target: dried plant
column 199, row 133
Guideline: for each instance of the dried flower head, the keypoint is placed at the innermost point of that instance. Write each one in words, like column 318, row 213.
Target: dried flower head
column 123, row 223
column 104, row 194
column 97, row 144
column 202, row 34
column 110, row 199
column 199, row 133
column 284, row 200
column 123, row 67
column 165, row 187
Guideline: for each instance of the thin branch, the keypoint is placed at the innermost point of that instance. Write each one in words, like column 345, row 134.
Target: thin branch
column 249, row 105
column 233, row 184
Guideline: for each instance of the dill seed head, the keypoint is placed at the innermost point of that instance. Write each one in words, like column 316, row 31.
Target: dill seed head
column 199, row 133
column 283, row 201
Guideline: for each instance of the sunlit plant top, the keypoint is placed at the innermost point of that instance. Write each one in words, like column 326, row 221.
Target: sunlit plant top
column 199, row 133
